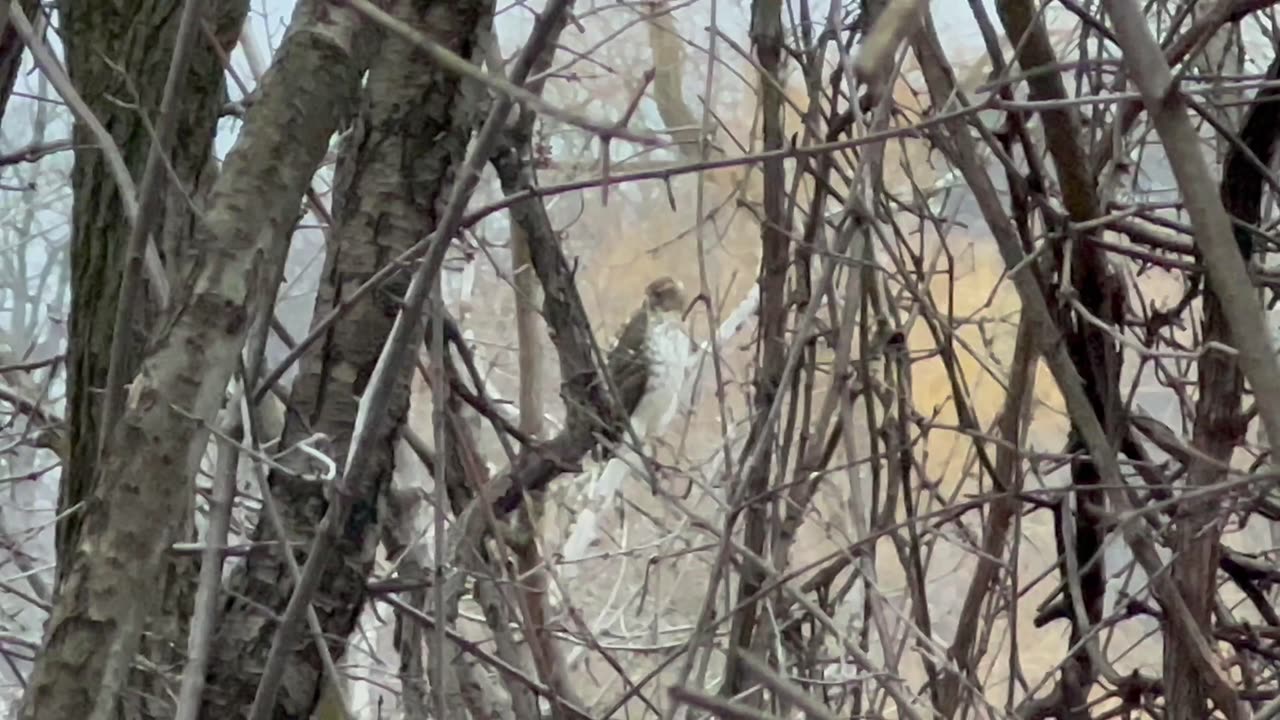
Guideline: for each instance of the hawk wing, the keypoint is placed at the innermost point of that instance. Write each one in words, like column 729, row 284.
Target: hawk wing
column 628, row 361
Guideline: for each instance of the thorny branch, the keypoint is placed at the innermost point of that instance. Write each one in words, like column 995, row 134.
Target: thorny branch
column 883, row 506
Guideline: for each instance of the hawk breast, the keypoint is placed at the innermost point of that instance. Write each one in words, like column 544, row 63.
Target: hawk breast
column 670, row 353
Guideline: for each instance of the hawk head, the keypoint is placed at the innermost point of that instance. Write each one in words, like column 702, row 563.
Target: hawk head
column 665, row 295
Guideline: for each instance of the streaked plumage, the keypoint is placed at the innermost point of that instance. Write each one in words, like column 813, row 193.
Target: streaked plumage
column 650, row 392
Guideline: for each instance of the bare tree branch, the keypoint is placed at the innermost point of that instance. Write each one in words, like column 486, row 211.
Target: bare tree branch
column 1213, row 232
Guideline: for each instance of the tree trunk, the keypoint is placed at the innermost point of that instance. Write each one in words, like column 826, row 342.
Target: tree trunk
column 138, row 38
column 141, row 493
column 414, row 126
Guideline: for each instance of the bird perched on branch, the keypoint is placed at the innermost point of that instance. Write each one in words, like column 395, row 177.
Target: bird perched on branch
column 650, row 378
column 651, row 387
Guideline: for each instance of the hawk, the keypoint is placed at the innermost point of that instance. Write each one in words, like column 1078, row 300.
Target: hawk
column 651, row 391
